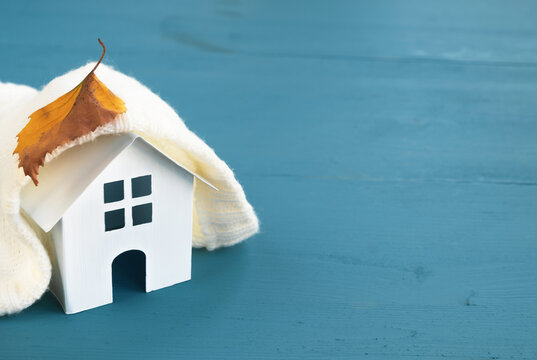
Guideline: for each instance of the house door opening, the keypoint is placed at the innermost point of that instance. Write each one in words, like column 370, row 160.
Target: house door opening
column 128, row 274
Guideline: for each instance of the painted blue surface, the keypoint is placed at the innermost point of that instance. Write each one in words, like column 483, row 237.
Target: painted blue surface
column 389, row 148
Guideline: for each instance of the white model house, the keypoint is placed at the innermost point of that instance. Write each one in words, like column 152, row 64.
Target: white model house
column 105, row 197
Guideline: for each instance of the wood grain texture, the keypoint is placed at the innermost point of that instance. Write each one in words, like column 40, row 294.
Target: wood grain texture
column 388, row 147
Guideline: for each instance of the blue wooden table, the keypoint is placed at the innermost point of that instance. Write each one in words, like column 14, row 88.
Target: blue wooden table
column 389, row 148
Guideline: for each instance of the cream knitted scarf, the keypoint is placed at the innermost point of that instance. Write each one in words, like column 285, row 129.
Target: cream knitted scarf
column 221, row 218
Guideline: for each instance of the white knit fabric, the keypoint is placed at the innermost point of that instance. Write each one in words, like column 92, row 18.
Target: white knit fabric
column 221, row 218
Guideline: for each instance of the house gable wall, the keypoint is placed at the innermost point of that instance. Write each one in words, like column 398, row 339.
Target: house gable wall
column 88, row 250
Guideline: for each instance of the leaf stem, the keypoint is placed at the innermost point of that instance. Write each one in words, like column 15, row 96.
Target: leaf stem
column 102, row 56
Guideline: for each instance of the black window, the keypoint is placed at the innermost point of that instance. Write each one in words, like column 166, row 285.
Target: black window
column 113, row 191
column 142, row 214
column 114, row 219
column 141, row 186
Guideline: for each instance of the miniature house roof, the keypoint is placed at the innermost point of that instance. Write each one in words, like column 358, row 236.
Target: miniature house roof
column 47, row 203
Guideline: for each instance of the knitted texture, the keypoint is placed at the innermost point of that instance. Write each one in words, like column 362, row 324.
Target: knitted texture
column 221, row 218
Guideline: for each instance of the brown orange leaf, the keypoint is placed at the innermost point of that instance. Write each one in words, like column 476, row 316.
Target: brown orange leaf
column 79, row 112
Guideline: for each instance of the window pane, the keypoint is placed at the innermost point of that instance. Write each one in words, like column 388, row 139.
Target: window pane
column 114, row 219
column 141, row 186
column 142, row 214
column 113, row 191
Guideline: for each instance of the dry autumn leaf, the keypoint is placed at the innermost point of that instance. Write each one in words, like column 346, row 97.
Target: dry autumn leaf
column 79, row 112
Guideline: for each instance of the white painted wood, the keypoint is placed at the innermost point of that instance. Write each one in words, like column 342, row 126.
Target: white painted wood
column 84, row 251
column 88, row 250
column 57, row 260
